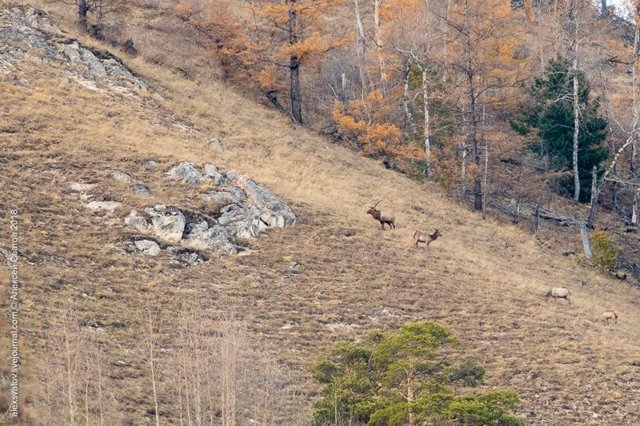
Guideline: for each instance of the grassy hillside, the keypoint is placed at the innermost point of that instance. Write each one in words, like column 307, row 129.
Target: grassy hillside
column 484, row 279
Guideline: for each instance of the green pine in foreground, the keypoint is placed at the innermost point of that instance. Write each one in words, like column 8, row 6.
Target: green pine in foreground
column 400, row 378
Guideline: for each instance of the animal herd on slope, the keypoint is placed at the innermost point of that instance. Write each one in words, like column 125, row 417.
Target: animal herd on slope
column 386, row 218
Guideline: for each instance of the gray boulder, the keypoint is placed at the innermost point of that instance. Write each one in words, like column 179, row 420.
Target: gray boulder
column 141, row 189
column 216, row 144
column 215, row 238
column 96, row 68
column 219, row 199
column 168, row 223
column 275, row 213
column 211, row 172
column 151, row 165
column 186, row 172
column 72, row 52
column 109, row 206
column 119, row 176
column 81, row 187
column 137, row 221
column 147, row 247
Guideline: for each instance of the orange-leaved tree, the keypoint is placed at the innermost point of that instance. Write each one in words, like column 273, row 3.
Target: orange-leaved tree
column 293, row 32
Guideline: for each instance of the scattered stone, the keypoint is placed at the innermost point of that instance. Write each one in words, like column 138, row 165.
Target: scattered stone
column 119, row 176
column 190, row 257
column 137, row 221
column 220, row 199
column 147, row 247
column 72, row 52
column 186, row 172
column 233, row 176
column 210, row 171
column 216, row 144
column 274, row 212
column 151, row 165
column 288, row 326
column 81, row 187
column 215, row 238
column 168, row 222
column 141, row 189
column 109, row 206
column 96, row 68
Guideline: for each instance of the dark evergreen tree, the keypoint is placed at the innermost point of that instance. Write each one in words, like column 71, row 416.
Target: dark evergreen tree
column 549, row 112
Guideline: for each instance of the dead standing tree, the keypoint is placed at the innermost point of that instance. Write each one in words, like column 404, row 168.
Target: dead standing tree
column 98, row 9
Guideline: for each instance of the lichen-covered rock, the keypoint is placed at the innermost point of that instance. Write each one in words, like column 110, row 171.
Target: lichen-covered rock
column 151, row 165
column 109, row 206
column 119, row 176
column 168, row 223
column 81, row 187
column 214, row 238
column 217, row 200
column 25, row 36
column 147, row 247
column 240, row 210
column 186, row 172
column 275, row 213
column 211, row 172
column 216, row 144
column 141, row 189
column 137, row 221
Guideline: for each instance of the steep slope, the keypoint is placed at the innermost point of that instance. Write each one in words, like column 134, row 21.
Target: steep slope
column 334, row 275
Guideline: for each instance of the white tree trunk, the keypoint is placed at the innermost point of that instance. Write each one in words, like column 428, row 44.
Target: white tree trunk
column 410, row 126
column 485, row 183
column 463, row 169
column 576, row 129
column 636, row 107
column 635, row 220
column 379, row 46
column 427, row 116
column 586, row 244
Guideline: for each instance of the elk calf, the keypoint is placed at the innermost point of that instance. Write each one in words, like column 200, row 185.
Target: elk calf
column 559, row 293
column 423, row 237
column 610, row 316
column 382, row 217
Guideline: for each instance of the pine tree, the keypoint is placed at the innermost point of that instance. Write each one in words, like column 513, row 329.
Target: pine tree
column 551, row 113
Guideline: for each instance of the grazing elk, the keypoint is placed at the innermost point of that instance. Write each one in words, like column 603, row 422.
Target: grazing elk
column 423, row 237
column 382, row 217
column 610, row 316
column 559, row 293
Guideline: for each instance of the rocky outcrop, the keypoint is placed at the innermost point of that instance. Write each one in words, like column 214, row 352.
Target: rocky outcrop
column 237, row 210
column 28, row 36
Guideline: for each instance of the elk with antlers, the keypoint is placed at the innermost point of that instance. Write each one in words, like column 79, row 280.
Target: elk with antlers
column 423, row 237
column 382, row 217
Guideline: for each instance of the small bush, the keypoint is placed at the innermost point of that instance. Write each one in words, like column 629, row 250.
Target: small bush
column 605, row 255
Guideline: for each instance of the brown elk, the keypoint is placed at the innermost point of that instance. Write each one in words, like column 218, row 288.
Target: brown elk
column 423, row 237
column 610, row 316
column 382, row 217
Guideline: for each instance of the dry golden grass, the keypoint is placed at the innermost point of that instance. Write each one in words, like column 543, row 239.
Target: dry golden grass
column 483, row 279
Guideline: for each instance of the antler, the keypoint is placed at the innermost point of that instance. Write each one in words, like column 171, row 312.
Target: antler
column 376, row 204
